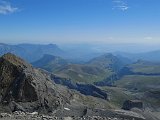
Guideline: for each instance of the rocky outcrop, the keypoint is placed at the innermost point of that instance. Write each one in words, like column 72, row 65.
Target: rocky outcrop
column 129, row 104
column 92, row 115
column 24, row 88
column 86, row 89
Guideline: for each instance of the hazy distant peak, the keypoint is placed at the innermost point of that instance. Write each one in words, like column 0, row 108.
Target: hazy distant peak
column 108, row 55
column 3, row 44
column 51, row 44
column 50, row 57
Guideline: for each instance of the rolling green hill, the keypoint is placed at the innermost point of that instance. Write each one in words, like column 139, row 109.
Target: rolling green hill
column 83, row 73
column 143, row 80
column 143, row 87
column 117, row 95
column 107, row 61
column 145, row 67
column 97, row 69
column 139, row 83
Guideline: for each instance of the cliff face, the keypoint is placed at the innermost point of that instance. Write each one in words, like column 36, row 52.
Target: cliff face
column 22, row 85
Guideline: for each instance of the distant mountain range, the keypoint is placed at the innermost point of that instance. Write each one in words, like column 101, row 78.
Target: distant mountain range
column 76, row 54
column 97, row 69
column 102, row 70
column 31, row 52
column 50, row 62
column 142, row 67
column 148, row 56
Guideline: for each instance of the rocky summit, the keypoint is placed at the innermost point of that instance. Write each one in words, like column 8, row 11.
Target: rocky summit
column 24, row 88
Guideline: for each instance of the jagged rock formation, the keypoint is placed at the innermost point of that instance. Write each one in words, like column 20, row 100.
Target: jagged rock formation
column 86, row 89
column 24, row 88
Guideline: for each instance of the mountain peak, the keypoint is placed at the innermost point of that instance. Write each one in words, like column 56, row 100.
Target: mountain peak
column 50, row 62
column 108, row 55
column 17, row 61
column 49, row 56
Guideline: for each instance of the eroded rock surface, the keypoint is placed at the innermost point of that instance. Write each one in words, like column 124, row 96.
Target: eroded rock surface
column 24, row 88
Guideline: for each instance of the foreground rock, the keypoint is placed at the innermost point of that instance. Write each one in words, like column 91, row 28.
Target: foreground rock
column 17, row 115
column 24, row 88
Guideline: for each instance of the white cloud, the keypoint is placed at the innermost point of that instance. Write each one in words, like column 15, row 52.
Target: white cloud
column 120, row 5
column 6, row 8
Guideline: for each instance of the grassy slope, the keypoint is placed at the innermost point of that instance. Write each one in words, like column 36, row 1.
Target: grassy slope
column 139, row 82
column 145, row 67
column 83, row 73
column 53, row 65
column 95, row 70
column 117, row 95
column 146, row 88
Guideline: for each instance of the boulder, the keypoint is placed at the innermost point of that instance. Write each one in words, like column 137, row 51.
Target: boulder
column 24, row 88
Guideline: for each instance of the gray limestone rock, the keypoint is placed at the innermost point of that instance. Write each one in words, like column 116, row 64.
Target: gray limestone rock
column 25, row 88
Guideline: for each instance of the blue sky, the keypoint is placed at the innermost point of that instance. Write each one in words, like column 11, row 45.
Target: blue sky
column 80, row 21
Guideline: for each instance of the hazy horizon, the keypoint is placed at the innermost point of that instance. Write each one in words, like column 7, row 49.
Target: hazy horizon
column 100, row 48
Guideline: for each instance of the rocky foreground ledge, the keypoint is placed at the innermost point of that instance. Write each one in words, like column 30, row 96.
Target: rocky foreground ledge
column 18, row 115
column 23, row 116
